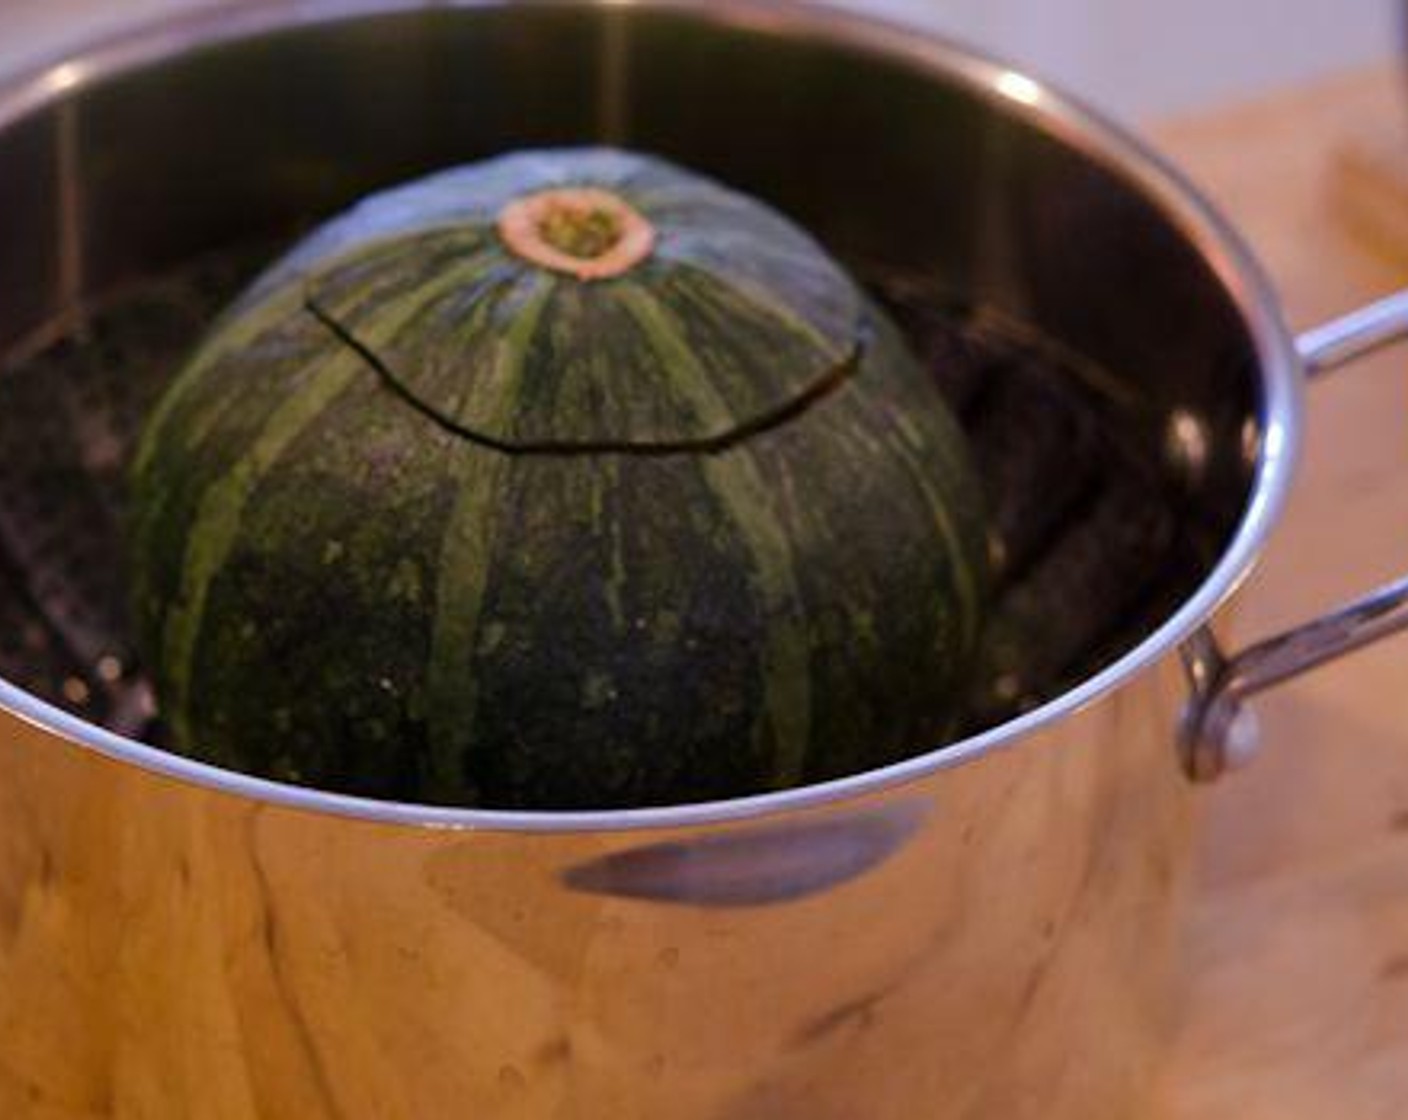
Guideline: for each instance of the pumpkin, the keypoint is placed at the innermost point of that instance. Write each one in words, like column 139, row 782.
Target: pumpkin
column 567, row 479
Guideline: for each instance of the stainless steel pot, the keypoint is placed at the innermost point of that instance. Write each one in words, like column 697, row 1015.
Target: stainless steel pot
column 979, row 932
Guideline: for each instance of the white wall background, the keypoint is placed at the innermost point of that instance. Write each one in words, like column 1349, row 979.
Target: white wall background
column 1137, row 58
column 1145, row 57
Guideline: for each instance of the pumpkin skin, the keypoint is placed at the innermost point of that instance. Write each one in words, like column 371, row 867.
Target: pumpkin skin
column 424, row 519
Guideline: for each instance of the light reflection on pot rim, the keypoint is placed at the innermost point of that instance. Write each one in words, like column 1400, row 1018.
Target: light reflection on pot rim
column 1034, row 101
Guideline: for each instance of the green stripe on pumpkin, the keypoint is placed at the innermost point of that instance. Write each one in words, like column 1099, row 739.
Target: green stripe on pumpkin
column 466, row 552
column 234, row 334
column 940, row 510
column 421, row 293
column 216, row 527
column 739, row 487
column 239, row 332
column 724, row 289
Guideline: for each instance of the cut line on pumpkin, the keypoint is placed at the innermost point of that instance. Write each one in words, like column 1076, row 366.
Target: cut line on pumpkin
column 823, row 387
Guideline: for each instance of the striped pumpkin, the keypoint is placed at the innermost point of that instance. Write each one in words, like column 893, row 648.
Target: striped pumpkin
column 568, row 479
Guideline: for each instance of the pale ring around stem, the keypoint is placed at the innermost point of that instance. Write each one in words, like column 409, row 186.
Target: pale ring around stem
column 521, row 224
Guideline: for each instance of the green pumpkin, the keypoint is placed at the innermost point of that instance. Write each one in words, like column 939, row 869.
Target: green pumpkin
column 568, row 479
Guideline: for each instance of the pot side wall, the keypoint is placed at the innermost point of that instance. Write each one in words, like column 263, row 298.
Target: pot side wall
column 989, row 942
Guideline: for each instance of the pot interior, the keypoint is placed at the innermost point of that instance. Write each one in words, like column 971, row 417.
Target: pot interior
column 1107, row 377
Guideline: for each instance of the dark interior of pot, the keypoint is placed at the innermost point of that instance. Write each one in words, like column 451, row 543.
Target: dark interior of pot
column 1102, row 371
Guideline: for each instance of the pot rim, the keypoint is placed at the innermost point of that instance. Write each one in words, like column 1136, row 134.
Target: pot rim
column 1037, row 102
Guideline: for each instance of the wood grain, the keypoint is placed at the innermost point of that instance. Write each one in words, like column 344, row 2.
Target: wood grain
column 1296, row 960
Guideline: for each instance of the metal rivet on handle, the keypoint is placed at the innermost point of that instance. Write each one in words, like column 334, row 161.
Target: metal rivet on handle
column 1241, row 740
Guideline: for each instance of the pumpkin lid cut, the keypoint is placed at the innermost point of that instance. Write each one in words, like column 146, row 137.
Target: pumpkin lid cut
column 658, row 312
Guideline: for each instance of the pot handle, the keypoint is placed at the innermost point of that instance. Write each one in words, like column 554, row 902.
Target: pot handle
column 1219, row 731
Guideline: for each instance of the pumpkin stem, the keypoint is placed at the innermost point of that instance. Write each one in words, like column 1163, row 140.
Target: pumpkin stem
column 581, row 233
column 586, row 232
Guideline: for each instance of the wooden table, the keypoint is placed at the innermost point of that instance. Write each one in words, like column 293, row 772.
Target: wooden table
column 1297, row 956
